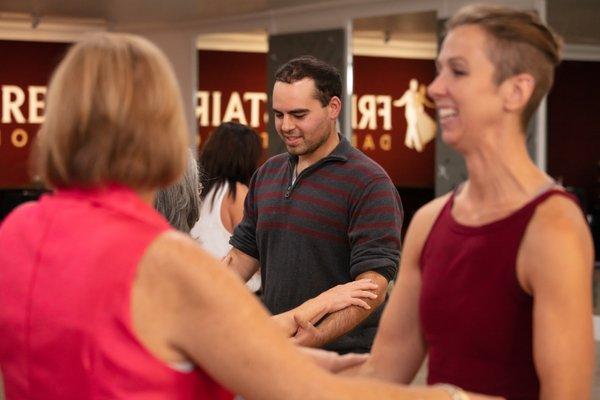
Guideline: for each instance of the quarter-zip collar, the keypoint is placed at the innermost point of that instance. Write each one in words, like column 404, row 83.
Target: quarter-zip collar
column 339, row 153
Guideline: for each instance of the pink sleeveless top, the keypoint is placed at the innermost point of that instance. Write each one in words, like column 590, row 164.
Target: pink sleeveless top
column 476, row 319
column 67, row 263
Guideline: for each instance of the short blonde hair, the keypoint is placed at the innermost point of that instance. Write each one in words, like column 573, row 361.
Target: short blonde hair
column 114, row 115
column 520, row 42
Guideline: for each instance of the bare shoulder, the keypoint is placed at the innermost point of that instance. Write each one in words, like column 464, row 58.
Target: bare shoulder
column 426, row 216
column 241, row 190
column 232, row 210
column 557, row 241
column 173, row 247
column 555, row 220
column 432, row 209
column 175, row 257
column 419, row 229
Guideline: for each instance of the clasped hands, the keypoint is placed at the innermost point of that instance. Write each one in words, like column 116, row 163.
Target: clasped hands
column 335, row 299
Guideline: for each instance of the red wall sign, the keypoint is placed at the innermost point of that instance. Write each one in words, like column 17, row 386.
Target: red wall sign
column 231, row 87
column 379, row 117
column 24, row 74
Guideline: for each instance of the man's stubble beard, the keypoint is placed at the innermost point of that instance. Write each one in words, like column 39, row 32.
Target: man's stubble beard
column 310, row 149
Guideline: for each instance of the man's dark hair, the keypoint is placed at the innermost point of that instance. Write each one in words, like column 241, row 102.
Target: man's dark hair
column 326, row 77
column 231, row 154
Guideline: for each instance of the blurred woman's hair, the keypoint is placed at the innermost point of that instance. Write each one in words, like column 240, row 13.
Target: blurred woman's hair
column 519, row 43
column 114, row 115
column 231, row 155
column 180, row 202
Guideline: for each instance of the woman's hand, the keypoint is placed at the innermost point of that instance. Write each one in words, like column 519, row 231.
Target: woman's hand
column 348, row 294
column 335, row 299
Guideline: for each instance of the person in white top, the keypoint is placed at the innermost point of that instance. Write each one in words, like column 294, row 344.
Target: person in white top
column 228, row 159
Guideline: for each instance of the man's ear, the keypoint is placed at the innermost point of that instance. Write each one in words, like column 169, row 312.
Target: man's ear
column 335, row 107
column 517, row 91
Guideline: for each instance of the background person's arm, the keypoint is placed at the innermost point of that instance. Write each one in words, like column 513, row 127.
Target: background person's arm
column 241, row 263
column 243, row 258
column 232, row 211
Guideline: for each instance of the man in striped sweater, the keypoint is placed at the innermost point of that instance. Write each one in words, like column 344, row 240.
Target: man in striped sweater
column 320, row 215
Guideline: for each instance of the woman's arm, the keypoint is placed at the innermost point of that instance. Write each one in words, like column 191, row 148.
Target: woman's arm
column 186, row 306
column 232, row 210
column 399, row 349
column 555, row 266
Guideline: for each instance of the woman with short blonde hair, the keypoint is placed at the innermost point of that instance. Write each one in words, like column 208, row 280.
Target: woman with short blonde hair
column 495, row 277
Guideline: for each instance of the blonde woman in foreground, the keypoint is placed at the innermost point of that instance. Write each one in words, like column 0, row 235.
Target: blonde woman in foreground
column 495, row 277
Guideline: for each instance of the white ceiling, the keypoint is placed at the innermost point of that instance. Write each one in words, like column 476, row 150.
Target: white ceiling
column 577, row 20
column 144, row 11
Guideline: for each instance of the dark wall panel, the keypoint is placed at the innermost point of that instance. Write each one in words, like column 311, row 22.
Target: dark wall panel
column 574, row 129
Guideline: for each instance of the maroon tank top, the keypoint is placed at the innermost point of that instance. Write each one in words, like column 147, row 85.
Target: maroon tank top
column 476, row 319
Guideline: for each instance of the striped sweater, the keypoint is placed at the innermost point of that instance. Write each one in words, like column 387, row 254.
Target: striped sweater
column 341, row 217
